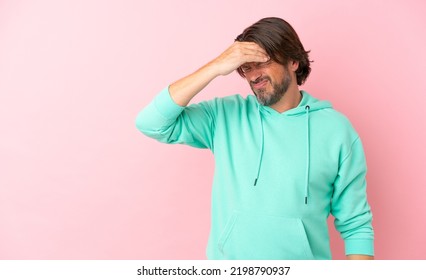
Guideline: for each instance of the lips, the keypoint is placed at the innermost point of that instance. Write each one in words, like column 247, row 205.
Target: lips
column 259, row 84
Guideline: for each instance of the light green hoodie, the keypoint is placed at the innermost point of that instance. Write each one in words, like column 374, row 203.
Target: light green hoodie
column 278, row 176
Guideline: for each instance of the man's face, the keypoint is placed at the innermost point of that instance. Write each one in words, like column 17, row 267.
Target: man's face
column 269, row 81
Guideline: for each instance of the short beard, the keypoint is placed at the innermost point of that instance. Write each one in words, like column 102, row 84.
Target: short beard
column 268, row 99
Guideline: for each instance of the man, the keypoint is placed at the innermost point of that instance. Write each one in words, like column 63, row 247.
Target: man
column 284, row 160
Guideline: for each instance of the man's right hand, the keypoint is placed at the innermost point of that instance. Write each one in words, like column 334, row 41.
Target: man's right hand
column 238, row 54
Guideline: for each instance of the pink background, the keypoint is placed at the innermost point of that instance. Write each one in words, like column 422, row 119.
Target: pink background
column 78, row 181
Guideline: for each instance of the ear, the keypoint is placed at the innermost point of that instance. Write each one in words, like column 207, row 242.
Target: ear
column 293, row 65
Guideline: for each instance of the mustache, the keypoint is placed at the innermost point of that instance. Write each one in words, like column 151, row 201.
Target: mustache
column 260, row 79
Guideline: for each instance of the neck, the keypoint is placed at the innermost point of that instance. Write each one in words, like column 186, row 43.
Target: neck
column 291, row 99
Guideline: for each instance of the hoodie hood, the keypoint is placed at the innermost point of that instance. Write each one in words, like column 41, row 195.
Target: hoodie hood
column 307, row 106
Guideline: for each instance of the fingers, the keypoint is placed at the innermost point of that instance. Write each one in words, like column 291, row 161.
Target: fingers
column 250, row 52
column 238, row 54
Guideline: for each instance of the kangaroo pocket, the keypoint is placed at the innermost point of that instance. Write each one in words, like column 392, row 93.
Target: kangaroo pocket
column 259, row 237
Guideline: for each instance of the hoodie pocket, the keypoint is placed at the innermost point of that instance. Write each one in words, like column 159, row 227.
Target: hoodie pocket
column 264, row 237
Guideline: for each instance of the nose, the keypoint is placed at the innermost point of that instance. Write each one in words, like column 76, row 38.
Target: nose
column 253, row 75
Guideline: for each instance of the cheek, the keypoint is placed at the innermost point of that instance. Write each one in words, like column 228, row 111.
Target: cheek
column 278, row 78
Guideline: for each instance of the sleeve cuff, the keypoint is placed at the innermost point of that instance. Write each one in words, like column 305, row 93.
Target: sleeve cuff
column 359, row 247
column 166, row 106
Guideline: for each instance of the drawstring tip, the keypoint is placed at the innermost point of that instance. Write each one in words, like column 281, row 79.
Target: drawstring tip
column 306, row 200
column 255, row 182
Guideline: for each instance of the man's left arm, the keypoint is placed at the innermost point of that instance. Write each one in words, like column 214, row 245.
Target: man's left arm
column 353, row 218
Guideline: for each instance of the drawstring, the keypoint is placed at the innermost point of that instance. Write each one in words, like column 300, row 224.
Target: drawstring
column 261, row 145
column 308, row 154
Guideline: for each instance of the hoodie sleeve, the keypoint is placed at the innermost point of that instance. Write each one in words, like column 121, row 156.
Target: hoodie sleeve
column 353, row 218
column 167, row 122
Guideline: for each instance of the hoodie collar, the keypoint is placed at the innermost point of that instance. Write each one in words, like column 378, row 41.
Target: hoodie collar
column 307, row 100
